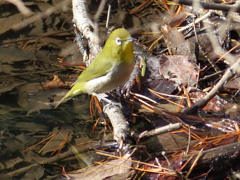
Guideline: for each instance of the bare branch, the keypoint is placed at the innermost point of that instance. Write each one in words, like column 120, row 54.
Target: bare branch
column 235, row 68
column 21, row 7
column 85, row 25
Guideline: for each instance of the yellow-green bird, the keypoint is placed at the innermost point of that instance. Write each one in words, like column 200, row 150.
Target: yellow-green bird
column 110, row 69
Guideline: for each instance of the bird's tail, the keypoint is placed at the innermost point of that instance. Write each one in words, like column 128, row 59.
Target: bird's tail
column 65, row 97
column 76, row 90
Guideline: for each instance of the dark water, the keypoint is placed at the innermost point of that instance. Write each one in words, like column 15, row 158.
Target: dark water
column 19, row 131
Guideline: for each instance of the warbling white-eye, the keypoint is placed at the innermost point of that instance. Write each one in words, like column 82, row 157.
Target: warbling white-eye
column 110, row 69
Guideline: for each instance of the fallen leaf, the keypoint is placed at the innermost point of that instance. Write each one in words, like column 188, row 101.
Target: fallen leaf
column 179, row 69
column 111, row 168
column 216, row 104
column 176, row 43
column 56, row 83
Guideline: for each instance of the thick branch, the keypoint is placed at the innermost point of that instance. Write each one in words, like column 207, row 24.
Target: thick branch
column 85, row 25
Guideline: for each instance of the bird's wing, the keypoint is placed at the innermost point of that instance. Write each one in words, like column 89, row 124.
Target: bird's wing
column 99, row 67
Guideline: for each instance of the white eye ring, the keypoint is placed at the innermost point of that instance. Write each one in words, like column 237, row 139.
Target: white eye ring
column 118, row 41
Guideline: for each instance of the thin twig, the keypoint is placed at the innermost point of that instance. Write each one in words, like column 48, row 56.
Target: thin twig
column 207, row 5
column 21, row 7
column 194, row 163
column 160, row 130
column 230, row 72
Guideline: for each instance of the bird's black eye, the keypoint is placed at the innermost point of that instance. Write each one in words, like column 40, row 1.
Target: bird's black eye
column 118, row 41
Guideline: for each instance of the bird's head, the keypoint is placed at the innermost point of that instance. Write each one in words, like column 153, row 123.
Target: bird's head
column 120, row 42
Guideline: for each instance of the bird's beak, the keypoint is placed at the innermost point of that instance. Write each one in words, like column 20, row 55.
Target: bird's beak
column 130, row 39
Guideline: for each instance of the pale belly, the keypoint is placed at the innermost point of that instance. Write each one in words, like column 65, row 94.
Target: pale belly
column 110, row 81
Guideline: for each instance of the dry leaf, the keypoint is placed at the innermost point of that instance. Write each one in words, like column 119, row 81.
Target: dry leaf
column 56, row 83
column 176, row 43
column 113, row 167
column 216, row 104
column 178, row 68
